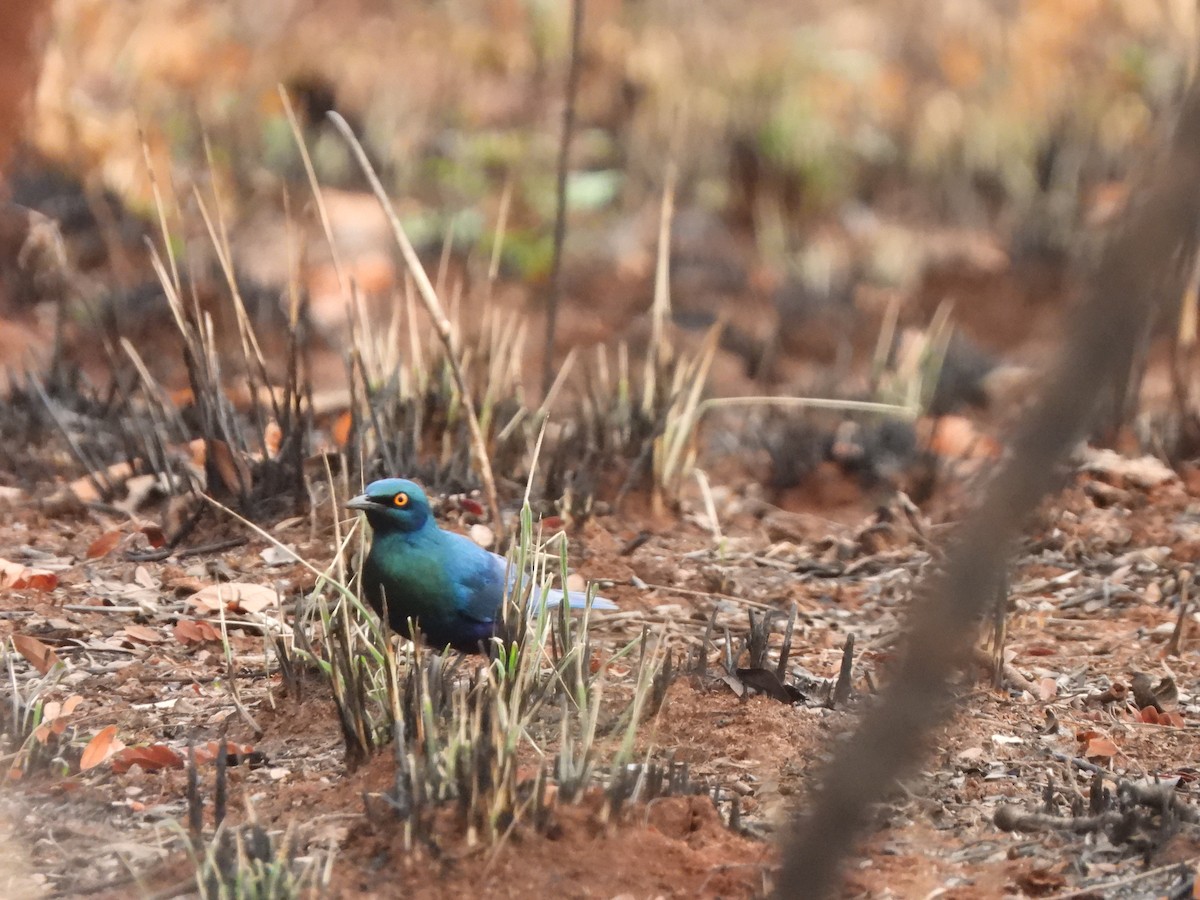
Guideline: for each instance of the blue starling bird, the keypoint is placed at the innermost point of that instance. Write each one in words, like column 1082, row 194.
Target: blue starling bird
column 448, row 584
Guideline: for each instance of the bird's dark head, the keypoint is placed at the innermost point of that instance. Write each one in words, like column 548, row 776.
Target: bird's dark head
column 393, row 504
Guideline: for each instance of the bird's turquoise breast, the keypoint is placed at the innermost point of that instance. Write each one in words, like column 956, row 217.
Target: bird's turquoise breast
column 414, row 582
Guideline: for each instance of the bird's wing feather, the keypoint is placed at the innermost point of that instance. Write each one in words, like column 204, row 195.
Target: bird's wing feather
column 478, row 581
column 575, row 599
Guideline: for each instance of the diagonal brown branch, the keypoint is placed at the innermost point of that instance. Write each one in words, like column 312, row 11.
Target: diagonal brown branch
column 1156, row 239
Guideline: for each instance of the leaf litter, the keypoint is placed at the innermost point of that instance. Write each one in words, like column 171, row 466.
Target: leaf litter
column 1092, row 610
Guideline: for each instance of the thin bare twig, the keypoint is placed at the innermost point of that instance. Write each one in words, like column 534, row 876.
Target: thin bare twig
column 560, row 213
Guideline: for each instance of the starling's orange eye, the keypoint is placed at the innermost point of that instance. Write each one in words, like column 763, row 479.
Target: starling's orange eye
column 400, row 500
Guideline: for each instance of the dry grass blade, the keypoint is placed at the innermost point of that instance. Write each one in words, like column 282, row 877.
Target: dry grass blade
column 441, row 324
column 657, row 358
column 891, row 740
column 318, row 197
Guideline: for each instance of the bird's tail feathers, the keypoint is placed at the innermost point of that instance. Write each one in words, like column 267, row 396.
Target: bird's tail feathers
column 577, row 600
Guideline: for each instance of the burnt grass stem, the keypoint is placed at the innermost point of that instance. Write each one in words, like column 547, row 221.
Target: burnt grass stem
column 841, row 690
column 458, row 723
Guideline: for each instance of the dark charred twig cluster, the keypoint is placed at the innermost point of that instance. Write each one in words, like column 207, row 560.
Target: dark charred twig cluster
column 260, row 456
column 645, row 783
column 759, row 675
column 237, row 861
column 1142, row 816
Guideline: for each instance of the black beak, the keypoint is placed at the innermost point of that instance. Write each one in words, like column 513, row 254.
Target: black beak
column 362, row 501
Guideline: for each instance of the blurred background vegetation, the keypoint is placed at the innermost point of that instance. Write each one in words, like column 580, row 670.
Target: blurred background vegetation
column 844, row 169
column 1021, row 116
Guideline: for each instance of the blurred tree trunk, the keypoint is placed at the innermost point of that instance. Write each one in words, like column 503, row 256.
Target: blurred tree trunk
column 20, row 54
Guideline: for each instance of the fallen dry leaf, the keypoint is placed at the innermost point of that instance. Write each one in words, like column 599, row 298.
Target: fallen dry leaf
column 193, row 631
column 54, row 710
column 278, row 556
column 141, row 634
column 142, row 576
column 42, row 733
column 184, row 584
column 19, row 577
column 154, row 535
column 474, row 507
column 1039, row 881
column 41, row 656
column 1100, row 746
column 196, row 448
column 54, row 717
column 1151, row 716
column 100, row 748
column 1047, row 688
column 205, row 603
column 272, row 438
column 104, row 545
column 341, row 429
column 240, row 596
column 150, row 758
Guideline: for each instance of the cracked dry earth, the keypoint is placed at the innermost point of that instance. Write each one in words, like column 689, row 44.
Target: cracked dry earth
column 1095, row 600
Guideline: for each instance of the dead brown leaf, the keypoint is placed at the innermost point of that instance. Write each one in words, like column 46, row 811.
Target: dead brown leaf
column 272, row 438
column 1144, row 472
column 1152, row 716
column 956, row 437
column 1040, row 880
column 341, row 429
column 55, row 710
column 205, row 603
column 104, row 545
column 239, row 596
column 19, row 577
column 1047, row 688
column 1100, row 746
column 41, row 656
column 42, row 733
column 54, row 717
column 150, row 758
column 154, row 535
column 100, row 748
column 142, row 634
column 194, row 631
